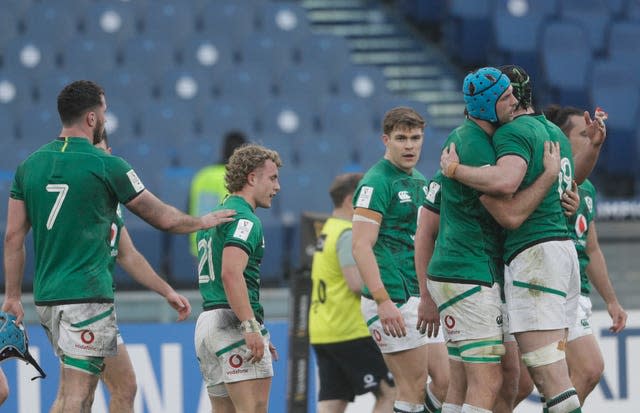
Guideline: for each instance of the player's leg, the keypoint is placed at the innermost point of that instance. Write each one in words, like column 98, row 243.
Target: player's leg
column 585, row 364
column 457, row 389
column 120, row 379
column 510, row 374
column 484, row 377
column 4, row 387
column 409, row 374
column 439, row 372
column 332, row 406
column 385, row 397
column 250, row 396
column 583, row 353
column 221, row 404
column 525, row 384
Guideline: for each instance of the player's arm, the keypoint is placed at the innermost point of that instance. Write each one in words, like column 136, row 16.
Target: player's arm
column 347, row 263
column 137, row 266
column 234, row 261
column 511, row 211
column 585, row 159
column 599, row 277
column 501, row 179
column 366, row 226
column 168, row 218
column 425, row 241
column 18, row 226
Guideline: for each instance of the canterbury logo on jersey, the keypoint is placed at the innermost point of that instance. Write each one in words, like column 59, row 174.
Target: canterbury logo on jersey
column 404, row 196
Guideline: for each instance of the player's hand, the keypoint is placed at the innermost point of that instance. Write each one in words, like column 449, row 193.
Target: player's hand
column 216, row 218
column 570, row 200
column 13, row 306
column 618, row 317
column 180, row 303
column 428, row 317
column 551, row 158
column 273, row 351
column 255, row 346
column 448, row 156
column 391, row 319
column 596, row 129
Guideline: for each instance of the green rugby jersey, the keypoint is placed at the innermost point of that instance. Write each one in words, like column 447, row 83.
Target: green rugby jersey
column 469, row 243
column 114, row 240
column 525, row 137
column 579, row 229
column 71, row 191
column 397, row 196
column 245, row 232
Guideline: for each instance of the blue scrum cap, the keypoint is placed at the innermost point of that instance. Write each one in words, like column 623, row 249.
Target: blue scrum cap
column 14, row 342
column 482, row 89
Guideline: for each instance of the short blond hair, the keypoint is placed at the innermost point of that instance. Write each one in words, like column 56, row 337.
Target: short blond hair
column 244, row 160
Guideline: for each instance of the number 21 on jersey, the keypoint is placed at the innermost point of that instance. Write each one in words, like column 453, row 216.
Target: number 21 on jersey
column 205, row 263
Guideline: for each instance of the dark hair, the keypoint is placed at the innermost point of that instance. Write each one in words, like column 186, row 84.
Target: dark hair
column 561, row 116
column 521, row 84
column 76, row 98
column 402, row 117
column 342, row 186
column 232, row 140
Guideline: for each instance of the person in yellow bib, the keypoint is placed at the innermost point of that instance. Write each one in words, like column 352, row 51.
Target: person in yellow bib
column 207, row 186
column 349, row 362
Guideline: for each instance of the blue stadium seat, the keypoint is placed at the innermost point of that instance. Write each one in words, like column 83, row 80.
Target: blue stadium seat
column 250, row 84
column 112, row 21
column 624, row 47
column 286, row 146
column 229, row 112
column 362, row 82
column 53, row 22
column 351, row 119
column 565, row 63
column 48, row 87
column 228, row 20
column 96, row 58
column 286, row 116
column 148, row 159
column 593, row 15
column 517, row 37
column 213, row 54
column 303, row 82
column 198, row 153
column 271, row 54
column 183, row 269
column 326, row 148
column 148, row 53
column 283, row 20
column 122, row 124
column 612, row 89
column 167, row 121
column 31, row 57
column 426, row 12
column 176, row 182
column 168, row 22
column 632, row 11
column 130, row 85
column 467, row 34
column 331, row 49
column 193, row 85
column 17, row 92
column 40, row 124
column 8, row 30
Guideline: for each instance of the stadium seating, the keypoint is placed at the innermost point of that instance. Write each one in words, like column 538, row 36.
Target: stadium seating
column 594, row 17
column 111, row 21
column 624, row 47
column 467, row 34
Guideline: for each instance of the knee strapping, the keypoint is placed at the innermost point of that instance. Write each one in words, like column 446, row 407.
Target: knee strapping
column 545, row 355
column 486, row 350
column 218, row 390
column 91, row 365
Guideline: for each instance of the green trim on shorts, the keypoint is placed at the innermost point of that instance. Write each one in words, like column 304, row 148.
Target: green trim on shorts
column 236, row 344
column 375, row 318
column 92, row 365
column 93, row 319
column 486, row 359
column 453, row 351
column 460, row 297
column 539, row 288
column 475, row 344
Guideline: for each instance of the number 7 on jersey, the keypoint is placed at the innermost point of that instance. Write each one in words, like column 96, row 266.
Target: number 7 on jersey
column 62, row 190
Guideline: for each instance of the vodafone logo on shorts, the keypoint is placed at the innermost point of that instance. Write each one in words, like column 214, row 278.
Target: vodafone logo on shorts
column 376, row 335
column 87, row 336
column 449, row 321
column 235, row 361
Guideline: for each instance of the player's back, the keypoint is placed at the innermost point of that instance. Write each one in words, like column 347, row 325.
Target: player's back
column 68, row 187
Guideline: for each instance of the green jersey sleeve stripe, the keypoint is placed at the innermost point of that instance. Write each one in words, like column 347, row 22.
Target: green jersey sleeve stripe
column 93, row 319
column 236, row 344
column 460, row 297
column 539, row 288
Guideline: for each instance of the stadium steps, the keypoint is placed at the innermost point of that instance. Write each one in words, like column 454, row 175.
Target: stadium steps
column 378, row 36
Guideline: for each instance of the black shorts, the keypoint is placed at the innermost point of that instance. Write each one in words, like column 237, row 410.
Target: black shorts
column 350, row 368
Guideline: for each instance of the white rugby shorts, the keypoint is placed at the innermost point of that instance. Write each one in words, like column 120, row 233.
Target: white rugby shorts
column 582, row 326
